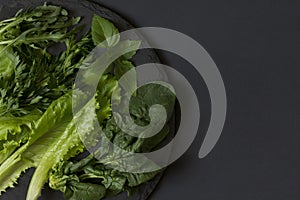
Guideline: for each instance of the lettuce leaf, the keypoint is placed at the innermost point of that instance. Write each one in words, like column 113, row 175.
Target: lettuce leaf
column 47, row 129
column 14, row 131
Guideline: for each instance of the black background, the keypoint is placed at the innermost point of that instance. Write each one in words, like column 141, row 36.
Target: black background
column 256, row 46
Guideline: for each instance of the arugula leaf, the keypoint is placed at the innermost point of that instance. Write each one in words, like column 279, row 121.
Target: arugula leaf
column 30, row 77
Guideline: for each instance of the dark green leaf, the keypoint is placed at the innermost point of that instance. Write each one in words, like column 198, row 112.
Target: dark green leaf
column 84, row 191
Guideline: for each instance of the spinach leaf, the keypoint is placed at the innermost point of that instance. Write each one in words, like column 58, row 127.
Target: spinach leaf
column 84, row 191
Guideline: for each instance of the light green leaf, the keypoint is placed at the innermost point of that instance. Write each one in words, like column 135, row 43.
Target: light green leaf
column 104, row 31
column 129, row 82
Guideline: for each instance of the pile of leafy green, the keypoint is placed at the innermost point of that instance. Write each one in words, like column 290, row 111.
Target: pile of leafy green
column 37, row 126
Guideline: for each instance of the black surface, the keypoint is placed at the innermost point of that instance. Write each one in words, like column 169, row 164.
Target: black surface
column 256, row 45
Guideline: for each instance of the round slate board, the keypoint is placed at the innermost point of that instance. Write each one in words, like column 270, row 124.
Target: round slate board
column 86, row 9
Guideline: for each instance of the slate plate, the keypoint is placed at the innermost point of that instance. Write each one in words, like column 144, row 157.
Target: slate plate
column 86, row 9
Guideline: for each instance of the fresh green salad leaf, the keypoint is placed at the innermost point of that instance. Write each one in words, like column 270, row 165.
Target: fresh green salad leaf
column 14, row 131
column 103, row 31
column 30, row 77
column 38, row 128
column 85, row 191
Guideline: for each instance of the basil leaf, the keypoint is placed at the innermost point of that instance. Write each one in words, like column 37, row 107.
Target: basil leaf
column 104, row 31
